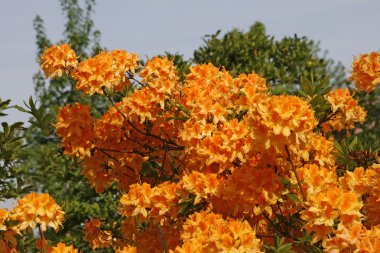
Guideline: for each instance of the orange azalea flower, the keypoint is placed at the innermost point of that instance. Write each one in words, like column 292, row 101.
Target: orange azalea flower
column 96, row 237
column 62, row 248
column 106, row 69
column 38, row 210
column 160, row 75
column 248, row 191
column 201, row 185
column 94, row 171
column 358, row 180
column 252, row 86
column 164, row 198
column 327, row 202
column 126, row 249
column 8, row 242
column 58, row 59
column 95, row 73
column 372, row 202
column 321, row 214
column 153, row 237
column 354, row 238
column 371, row 241
column 139, row 196
column 214, row 136
column 158, row 202
column 221, row 144
column 278, row 123
column 286, row 116
column 366, row 71
column 124, row 61
column 252, row 82
column 75, row 127
column 159, row 81
column 108, row 128
column 209, row 232
column 207, row 93
column 349, row 208
column 315, row 179
column 189, row 247
column 345, row 109
column 4, row 214
column 143, row 104
column 321, row 150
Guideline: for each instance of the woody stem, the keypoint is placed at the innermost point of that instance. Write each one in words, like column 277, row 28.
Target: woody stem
column 42, row 237
column 295, row 173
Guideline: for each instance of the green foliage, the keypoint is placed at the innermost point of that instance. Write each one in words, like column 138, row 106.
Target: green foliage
column 354, row 151
column 370, row 129
column 188, row 207
column 11, row 183
column 41, row 119
column 151, row 169
column 279, row 246
column 304, row 240
column 314, row 91
column 281, row 62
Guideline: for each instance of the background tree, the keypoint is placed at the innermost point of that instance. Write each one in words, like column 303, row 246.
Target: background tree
column 281, row 62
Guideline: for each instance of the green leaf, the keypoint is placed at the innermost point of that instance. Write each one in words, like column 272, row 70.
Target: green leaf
column 21, row 109
column 353, row 143
column 338, row 146
column 294, row 197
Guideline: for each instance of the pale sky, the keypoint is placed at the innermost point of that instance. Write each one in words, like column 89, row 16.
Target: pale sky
column 344, row 27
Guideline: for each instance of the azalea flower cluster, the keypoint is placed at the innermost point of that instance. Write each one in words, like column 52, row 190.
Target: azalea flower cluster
column 106, row 70
column 59, row 248
column 97, row 237
column 335, row 206
column 366, row 71
column 209, row 232
column 212, row 163
column 345, row 111
column 58, row 59
column 33, row 211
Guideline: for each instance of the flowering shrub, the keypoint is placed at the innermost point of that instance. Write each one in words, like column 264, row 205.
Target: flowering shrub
column 210, row 163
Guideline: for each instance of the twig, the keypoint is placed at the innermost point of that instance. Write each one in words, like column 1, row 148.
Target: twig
column 134, row 151
column 111, row 157
column 132, row 77
column 42, row 237
column 276, row 230
column 163, row 244
column 295, row 173
column 283, row 225
column 264, row 236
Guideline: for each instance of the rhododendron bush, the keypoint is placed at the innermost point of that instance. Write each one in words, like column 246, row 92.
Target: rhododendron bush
column 212, row 162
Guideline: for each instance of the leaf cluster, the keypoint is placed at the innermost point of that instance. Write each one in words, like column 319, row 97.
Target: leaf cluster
column 281, row 62
column 11, row 142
